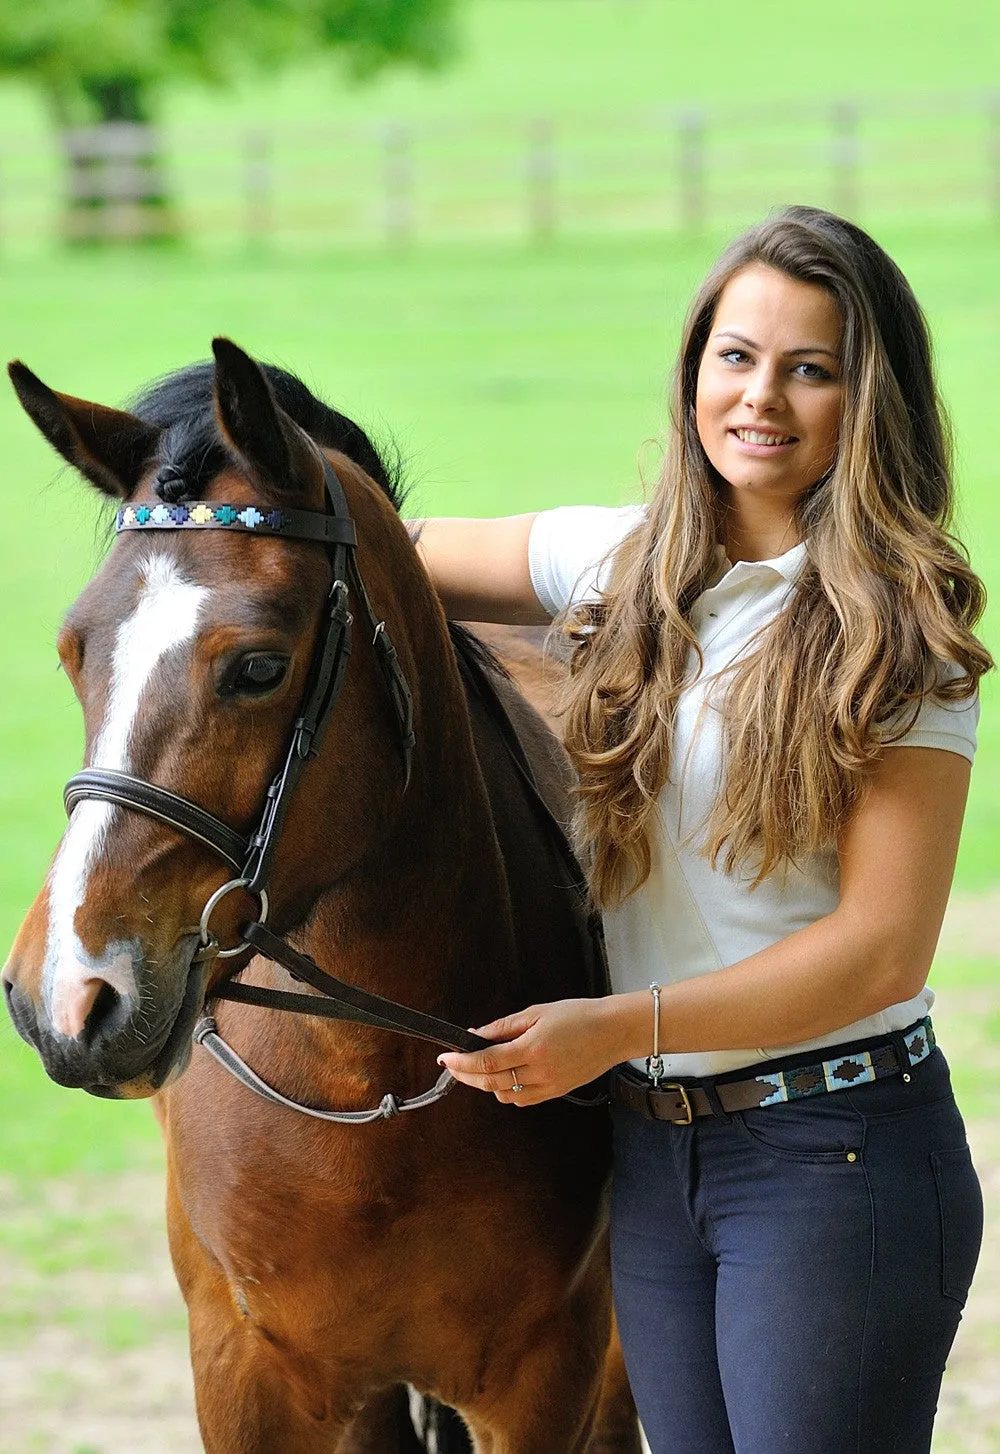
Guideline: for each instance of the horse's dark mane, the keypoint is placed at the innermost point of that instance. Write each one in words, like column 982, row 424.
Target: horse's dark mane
column 470, row 646
column 192, row 449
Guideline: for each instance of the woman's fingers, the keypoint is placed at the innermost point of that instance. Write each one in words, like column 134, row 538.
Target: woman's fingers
column 546, row 1049
column 509, row 1027
column 489, row 1070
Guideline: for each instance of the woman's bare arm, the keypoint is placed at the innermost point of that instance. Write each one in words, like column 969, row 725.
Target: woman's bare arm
column 897, row 858
column 479, row 568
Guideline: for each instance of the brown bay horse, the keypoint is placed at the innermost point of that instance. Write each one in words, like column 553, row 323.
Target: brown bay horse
column 460, row 1248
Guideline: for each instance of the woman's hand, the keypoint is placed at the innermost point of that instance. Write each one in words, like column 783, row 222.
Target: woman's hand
column 551, row 1049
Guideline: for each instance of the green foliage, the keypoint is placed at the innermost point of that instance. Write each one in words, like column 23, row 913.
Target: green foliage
column 104, row 59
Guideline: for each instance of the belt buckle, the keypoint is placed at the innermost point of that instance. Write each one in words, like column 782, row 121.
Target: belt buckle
column 673, row 1085
column 689, row 1112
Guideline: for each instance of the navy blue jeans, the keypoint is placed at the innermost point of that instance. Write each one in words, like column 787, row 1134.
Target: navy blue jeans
column 792, row 1278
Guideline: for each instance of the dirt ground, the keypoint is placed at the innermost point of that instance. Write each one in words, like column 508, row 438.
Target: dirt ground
column 93, row 1355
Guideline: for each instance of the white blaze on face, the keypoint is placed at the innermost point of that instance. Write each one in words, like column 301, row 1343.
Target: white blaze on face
column 165, row 618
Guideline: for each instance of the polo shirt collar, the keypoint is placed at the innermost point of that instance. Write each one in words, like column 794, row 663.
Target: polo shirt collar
column 789, row 566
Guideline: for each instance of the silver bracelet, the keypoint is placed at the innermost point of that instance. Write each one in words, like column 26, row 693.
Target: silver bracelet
column 654, row 1062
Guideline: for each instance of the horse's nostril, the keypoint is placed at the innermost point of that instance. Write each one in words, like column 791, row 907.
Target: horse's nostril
column 82, row 1008
column 8, row 994
column 106, row 1007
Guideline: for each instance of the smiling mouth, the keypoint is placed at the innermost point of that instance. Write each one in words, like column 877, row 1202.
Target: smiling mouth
column 762, row 437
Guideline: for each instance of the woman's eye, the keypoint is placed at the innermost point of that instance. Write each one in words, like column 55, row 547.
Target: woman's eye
column 255, row 675
column 813, row 371
column 733, row 355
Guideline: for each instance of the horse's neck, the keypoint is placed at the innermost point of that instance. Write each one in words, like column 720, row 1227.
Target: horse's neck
column 427, row 919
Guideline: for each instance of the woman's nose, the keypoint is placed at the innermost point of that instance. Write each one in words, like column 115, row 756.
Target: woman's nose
column 763, row 391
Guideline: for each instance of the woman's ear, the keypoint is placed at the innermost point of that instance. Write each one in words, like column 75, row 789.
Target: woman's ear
column 110, row 448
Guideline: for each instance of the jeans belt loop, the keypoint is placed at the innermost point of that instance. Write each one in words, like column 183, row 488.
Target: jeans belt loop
column 712, row 1096
column 902, row 1053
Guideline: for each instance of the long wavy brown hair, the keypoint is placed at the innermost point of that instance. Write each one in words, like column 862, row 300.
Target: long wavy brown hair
column 886, row 598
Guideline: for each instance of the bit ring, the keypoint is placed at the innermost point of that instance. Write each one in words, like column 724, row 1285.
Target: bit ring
column 206, row 939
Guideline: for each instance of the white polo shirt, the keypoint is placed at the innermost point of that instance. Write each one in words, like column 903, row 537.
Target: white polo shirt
column 688, row 918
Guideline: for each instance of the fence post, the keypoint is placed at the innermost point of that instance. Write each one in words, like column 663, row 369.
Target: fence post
column 541, row 175
column 691, row 167
column 993, row 144
column 117, row 191
column 846, row 157
column 398, row 140
column 257, row 176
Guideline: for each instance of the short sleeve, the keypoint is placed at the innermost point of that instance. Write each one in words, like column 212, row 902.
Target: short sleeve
column 570, row 551
column 948, row 725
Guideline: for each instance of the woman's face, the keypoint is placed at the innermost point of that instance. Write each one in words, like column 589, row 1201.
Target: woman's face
column 769, row 391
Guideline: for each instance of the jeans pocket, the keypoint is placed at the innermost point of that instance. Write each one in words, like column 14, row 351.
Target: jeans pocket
column 961, row 1202
column 814, row 1130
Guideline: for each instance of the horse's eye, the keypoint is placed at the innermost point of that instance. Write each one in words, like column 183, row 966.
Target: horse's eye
column 255, row 675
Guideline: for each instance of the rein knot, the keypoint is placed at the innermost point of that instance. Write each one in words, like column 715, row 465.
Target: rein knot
column 389, row 1107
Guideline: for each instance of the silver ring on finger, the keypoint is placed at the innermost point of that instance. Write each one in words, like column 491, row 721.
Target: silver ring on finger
column 517, row 1086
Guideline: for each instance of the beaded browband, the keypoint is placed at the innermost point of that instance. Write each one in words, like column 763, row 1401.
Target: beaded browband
column 200, row 515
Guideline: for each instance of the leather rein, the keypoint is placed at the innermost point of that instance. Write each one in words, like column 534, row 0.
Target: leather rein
column 252, row 857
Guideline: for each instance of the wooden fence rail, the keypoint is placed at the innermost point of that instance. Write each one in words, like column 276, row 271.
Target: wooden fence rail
column 403, row 182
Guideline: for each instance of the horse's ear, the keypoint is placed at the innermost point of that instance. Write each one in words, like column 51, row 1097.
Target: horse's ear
column 269, row 443
column 109, row 447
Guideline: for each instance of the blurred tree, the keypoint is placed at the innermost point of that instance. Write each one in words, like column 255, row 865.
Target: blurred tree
column 105, row 61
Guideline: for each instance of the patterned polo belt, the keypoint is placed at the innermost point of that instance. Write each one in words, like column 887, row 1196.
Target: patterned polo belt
column 671, row 1101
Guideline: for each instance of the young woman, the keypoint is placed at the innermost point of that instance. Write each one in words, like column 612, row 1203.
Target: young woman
column 772, row 709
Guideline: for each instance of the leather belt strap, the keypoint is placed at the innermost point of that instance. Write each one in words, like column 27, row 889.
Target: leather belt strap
column 681, row 1103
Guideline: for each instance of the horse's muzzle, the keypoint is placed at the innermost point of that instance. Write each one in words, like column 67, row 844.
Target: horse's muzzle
column 131, row 1044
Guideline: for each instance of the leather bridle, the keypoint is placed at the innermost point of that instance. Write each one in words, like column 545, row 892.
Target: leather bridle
column 333, row 528
column 252, row 857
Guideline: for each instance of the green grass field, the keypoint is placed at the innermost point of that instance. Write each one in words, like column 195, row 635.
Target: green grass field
column 512, row 378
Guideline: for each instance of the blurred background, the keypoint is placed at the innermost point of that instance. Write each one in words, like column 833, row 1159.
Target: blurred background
column 474, row 225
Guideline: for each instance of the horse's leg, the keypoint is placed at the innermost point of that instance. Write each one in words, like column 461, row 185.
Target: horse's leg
column 245, row 1403
column 251, row 1396
column 548, row 1404
column 549, row 1383
column 383, row 1426
column 544, row 1395
column 250, row 1403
